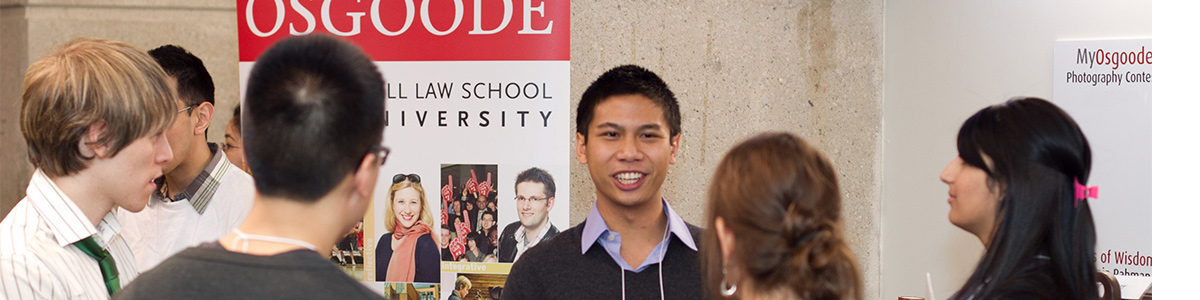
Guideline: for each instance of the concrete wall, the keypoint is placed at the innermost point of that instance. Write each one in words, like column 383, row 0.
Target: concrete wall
column 742, row 67
column 945, row 61
column 35, row 27
column 738, row 67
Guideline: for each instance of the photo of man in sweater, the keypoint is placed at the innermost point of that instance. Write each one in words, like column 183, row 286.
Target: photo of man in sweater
column 632, row 245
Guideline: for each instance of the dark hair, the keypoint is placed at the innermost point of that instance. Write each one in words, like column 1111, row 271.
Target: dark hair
column 780, row 198
column 488, row 212
column 237, row 117
column 194, row 83
column 627, row 80
column 313, row 109
column 1037, row 153
column 538, row 176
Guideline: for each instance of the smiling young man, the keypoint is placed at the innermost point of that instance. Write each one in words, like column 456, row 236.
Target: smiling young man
column 632, row 245
column 93, row 113
column 201, row 196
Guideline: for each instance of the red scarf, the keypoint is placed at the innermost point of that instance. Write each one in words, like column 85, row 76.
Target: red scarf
column 401, row 267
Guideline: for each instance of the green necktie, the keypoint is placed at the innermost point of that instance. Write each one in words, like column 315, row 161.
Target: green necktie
column 108, row 266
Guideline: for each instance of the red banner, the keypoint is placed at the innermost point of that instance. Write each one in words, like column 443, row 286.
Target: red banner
column 415, row 30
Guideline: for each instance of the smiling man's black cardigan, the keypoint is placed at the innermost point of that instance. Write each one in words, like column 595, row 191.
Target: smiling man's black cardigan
column 556, row 270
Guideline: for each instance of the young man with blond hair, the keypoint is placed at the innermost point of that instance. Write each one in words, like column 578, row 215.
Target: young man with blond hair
column 93, row 113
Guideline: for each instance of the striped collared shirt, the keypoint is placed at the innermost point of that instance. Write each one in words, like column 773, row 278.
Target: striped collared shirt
column 200, row 192
column 217, row 201
column 37, row 258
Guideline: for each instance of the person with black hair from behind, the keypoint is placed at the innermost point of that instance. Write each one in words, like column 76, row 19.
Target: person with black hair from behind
column 775, row 225
column 312, row 125
column 1018, row 185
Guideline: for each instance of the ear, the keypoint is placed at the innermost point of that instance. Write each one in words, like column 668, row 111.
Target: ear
column 725, row 238
column 364, row 179
column 675, row 146
column 204, row 114
column 581, row 149
column 90, row 145
column 549, row 203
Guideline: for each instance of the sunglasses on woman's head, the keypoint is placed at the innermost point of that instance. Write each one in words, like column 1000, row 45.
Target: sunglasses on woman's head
column 414, row 178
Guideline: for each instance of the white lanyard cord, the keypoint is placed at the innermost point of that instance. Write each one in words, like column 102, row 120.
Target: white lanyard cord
column 662, row 294
column 245, row 239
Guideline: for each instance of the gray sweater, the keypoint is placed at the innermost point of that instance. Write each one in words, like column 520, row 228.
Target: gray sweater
column 208, row 271
column 555, row 269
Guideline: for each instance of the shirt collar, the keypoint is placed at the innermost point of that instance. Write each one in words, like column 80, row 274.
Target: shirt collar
column 68, row 223
column 595, row 226
column 200, row 192
column 537, row 239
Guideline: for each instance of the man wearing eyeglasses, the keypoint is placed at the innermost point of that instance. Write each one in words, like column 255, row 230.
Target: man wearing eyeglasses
column 535, row 198
column 312, row 124
column 201, row 196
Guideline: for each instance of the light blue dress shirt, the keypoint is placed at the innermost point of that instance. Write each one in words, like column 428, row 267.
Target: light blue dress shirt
column 595, row 230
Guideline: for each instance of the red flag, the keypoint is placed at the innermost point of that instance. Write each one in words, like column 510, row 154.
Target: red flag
column 463, row 228
column 485, row 187
column 448, row 190
column 458, row 247
column 472, row 183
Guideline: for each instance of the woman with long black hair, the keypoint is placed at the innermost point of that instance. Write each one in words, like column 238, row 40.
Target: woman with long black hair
column 1017, row 184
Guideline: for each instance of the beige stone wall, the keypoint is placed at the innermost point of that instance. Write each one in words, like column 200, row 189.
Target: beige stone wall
column 742, row 67
column 738, row 68
column 33, row 28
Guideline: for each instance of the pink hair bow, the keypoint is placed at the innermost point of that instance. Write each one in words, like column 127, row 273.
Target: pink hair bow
column 1082, row 192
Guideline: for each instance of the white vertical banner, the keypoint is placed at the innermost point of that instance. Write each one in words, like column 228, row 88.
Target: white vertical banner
column 477, row 92
column 1105, row 86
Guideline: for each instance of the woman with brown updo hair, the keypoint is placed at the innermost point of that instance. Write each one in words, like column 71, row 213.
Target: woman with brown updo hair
column 774, row 225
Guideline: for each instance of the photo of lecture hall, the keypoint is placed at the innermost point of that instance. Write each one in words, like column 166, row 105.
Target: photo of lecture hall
column 549, row 149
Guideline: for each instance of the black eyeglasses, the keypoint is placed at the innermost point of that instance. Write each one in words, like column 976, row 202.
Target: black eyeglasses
column 414, row 178
column 381, row 152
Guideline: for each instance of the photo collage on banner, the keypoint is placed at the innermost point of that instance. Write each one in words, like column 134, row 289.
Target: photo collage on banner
column 1105, row 85
column 477, row 97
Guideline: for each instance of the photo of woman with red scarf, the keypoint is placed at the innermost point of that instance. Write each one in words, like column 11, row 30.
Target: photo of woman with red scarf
column 409, row 253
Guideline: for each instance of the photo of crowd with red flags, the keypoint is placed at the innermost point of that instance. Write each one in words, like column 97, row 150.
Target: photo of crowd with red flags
column 469, row 213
